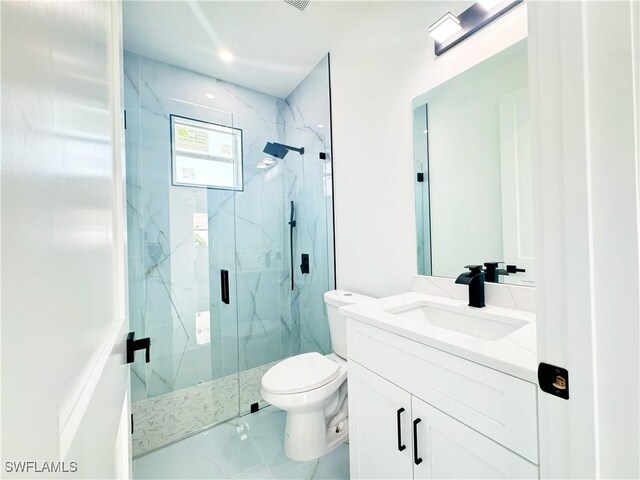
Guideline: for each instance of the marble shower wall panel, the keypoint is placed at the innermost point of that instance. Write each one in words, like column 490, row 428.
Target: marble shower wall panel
column 305, row 119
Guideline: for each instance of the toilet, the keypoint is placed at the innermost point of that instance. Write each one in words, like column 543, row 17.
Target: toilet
column 312, row 389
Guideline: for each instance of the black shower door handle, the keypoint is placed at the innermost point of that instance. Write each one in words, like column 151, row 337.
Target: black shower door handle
column 401, row 446
column 224, row 286
column 416, row 459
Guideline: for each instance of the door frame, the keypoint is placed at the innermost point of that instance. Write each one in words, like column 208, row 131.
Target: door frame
column 584, row 92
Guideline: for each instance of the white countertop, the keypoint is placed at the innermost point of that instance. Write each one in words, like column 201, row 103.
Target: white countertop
column 514, row 354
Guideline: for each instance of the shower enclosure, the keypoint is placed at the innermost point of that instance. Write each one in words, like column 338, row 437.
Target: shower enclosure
column 211, row 245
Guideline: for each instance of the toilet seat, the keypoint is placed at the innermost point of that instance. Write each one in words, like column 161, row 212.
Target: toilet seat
column 301, row 373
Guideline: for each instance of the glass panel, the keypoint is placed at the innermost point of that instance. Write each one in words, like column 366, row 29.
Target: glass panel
column 179, row 239
column 276, row 321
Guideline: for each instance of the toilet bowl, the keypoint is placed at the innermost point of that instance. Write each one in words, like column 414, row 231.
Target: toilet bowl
column 312, row 389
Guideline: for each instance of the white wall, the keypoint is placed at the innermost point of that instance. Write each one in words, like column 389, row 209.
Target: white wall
column 376, row 71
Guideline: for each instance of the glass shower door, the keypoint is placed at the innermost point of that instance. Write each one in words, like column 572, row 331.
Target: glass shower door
column 180, row 238
column 275, row 319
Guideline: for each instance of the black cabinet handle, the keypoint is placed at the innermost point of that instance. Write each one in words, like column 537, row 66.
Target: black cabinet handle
column 224, row 286
column 401, row 446
column 135, row 345
column 416, row 459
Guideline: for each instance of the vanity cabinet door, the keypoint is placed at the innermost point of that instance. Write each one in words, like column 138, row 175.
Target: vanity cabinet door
column 446, row 448
column 379, row 427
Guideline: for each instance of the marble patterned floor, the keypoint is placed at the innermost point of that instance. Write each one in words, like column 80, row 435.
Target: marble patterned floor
column 248, row 447
column 167, row 418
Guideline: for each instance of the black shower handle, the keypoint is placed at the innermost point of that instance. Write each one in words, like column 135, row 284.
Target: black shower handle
column 292, row 222
column 224, row 286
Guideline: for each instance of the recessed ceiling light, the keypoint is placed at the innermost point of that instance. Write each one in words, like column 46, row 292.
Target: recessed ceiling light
column 210, row 95
column 320, row 125
column 445, row 27
column 226, row 55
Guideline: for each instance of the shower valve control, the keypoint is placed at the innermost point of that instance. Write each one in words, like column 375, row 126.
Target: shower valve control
column 139, row 344
column 304, row 266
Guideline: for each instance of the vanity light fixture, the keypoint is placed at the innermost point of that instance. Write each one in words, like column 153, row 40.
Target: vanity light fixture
column 450, row 29
column 226, row 56
column 445, row 27
column 489, row 4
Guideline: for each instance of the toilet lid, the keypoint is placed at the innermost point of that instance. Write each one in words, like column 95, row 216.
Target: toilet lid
column 300, row 374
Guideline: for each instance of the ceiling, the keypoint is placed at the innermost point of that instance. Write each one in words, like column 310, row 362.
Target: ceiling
column 274, row 45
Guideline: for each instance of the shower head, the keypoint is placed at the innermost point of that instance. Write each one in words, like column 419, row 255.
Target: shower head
column 275, row 150
column 279, row 150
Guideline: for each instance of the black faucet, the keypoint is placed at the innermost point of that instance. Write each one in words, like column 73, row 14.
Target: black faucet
column 492, row 272
column 475, row 279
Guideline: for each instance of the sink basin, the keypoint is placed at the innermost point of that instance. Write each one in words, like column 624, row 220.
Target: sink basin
column 480, row 324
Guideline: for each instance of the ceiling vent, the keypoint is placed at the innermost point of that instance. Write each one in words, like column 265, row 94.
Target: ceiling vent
column 299, row 4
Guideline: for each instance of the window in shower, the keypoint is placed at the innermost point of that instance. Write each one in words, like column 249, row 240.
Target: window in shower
column 200, row 230
column 204, row 154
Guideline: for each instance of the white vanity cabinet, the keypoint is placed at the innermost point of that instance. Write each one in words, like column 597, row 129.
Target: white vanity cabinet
column 418, row 412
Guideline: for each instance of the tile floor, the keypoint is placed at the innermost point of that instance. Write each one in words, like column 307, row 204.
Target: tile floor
column 248, row 447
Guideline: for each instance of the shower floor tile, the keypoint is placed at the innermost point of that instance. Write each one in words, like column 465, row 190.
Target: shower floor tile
column 164, row 419
column 248, row 447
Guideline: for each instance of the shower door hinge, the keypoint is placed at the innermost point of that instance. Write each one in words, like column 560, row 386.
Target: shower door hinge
column 133, row 345
column 420, row 177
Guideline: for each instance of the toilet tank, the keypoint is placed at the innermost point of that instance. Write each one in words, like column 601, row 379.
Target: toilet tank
column 337, row 323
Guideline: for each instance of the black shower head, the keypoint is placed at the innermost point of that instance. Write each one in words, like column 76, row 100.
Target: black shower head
column 278, row 150
column 275, row 150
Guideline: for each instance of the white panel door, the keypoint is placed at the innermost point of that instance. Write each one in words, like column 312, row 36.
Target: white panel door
column 446, row 448
column 64, row 376
column 380, row 437
column 517, row 187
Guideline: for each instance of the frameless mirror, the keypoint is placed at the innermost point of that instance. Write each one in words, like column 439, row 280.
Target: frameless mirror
column 472, row 158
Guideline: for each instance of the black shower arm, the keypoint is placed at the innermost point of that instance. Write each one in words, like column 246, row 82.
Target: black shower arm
column 289, row 147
